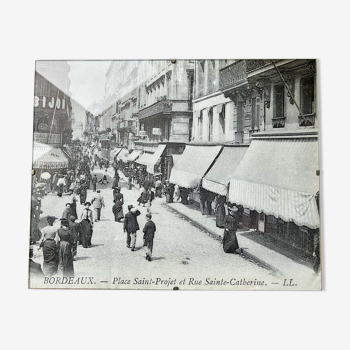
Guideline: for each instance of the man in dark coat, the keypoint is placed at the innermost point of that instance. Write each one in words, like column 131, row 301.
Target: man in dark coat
column 83, row 193
column 94, row 182
column 149, row 231
column 131, row 226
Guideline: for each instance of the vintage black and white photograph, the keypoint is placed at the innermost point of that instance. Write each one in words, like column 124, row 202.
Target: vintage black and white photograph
column 175, row 174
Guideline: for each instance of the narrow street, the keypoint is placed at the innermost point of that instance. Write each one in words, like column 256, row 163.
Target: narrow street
column 178, row 246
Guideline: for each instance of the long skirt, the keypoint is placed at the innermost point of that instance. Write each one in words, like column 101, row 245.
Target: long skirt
column 87, row 233
column 118, row 213
column 83, row 197
column 65, row 263
column 230, row 242
column 159, row 192
column 220, row 216
column 50, row 268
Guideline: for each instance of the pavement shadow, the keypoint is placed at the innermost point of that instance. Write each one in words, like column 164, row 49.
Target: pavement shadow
column 96, row 245
column 158, row 258
column 78, row 258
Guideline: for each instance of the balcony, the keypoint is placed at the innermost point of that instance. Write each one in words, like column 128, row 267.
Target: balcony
column 164, row 106
column 307, row 120
column 255, row 64
column 233, row 75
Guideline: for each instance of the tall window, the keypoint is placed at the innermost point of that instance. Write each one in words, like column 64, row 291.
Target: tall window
column 200, row 126
column 222, row 121
column 210, row 128
column 307, row 95
column 279, row 98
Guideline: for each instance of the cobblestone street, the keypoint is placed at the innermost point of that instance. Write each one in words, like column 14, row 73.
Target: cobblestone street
column 181, row 250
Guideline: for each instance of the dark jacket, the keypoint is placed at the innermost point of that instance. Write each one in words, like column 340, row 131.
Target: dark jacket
column 149, row 230
column 130, row 221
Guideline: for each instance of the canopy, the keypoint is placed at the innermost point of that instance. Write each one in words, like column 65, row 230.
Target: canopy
column 193, row 165
column 219, row 175
column 155, row 158
column 176, row 158
column 133, row 156
column 278, row 177
column 48, row 157
column 145, row 159
column 150, row 160
column 124, row 153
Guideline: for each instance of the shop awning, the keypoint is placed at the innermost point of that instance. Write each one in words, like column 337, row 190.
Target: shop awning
column 278, row 177
column 176, row 158
column 133, row 156
column 123, row 155
column 219, row 175
column 145, row 159
column 48, row 157
column 193, row 165
column 155, row 158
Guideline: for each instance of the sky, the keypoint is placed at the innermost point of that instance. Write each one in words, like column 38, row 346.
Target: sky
column 87, row 84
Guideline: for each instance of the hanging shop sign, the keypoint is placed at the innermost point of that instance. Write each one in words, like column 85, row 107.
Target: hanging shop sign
column 156, row 131
column 43, row 137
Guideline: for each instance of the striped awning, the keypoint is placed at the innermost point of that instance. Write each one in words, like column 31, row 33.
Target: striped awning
column 219, row 175
column 278, row 177
column 48, row 157
column 193, row 165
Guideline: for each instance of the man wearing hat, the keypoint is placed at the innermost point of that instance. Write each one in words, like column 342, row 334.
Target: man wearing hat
column 131, row 226
column 94, row 182
column 149, row 231
column 50, row 248
column 98, row 203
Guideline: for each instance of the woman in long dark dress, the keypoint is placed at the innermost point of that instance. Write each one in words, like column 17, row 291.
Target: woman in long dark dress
column 118, row 206
column 65, row 256
column 229, row 241
column 220, row 211
column 83, row 193
column 87, row 224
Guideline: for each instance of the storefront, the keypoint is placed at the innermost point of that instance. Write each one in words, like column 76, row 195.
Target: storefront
column 47, row 158
column 276, row 183
column 192, row 165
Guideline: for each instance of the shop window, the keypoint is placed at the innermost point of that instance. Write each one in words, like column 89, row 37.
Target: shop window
column 278, row 121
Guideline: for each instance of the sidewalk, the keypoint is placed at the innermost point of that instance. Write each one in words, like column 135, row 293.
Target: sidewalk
column 264, row 256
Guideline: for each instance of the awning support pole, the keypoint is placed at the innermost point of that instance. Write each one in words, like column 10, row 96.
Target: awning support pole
column 287, row 87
